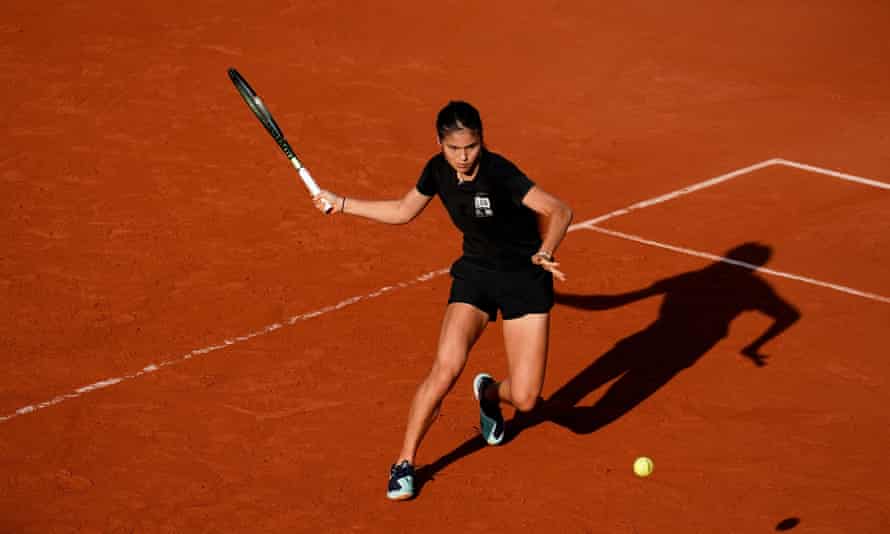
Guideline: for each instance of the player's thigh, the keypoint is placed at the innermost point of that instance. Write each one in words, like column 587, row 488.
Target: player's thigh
column 526, row 340
column 461, row 327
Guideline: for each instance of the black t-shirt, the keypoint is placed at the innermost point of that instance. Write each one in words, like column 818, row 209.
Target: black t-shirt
column 499, row 231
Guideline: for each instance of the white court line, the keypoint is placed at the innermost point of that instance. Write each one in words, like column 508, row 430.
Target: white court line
column 674, row 194
column 151, row 368
column 588, row 224
column 691, row 252
column 829, row 172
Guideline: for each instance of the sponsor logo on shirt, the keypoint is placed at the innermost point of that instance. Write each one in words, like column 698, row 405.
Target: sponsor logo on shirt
column 483, row 205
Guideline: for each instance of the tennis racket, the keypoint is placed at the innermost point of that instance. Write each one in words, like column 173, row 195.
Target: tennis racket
column 259, row 109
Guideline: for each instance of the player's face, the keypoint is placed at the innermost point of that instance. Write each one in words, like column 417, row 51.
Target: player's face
column 461, row 149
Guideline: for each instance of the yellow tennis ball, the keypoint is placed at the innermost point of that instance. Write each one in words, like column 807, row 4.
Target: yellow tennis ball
column 643, row 466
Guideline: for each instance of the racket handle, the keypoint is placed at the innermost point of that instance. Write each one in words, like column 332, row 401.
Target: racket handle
column 310, row 184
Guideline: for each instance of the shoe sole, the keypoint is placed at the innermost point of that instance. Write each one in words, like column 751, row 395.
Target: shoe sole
column 477, row 381
column 399, row 496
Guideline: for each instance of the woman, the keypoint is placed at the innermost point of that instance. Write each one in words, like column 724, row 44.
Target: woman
column 506, row 265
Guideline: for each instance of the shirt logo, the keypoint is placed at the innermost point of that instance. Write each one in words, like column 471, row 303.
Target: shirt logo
column 483, row 205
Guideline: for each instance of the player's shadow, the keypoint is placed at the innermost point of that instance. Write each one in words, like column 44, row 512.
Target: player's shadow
column 695, row 314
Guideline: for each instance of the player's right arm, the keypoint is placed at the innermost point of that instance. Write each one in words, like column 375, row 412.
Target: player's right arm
column 396, row 211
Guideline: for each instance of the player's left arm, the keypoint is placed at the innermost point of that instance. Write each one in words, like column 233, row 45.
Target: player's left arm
column 554, row 217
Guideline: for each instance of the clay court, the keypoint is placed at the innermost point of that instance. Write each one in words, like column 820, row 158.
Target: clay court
column 189, row 346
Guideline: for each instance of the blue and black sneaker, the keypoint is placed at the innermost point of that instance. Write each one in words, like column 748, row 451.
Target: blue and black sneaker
column 401, row 482
column 491, row 422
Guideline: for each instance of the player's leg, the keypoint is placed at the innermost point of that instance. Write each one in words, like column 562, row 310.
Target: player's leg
column 525, row 299
column 461, row 327
column 526, row 341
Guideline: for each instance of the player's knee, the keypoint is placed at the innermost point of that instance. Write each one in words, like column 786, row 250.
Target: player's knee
column 525, row 401
column 444, row 374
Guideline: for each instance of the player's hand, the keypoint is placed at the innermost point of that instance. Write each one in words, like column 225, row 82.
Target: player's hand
column 547, row 262
column 334, row 201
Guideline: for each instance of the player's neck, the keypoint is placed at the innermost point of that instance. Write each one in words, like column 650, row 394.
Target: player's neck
column 464, row 178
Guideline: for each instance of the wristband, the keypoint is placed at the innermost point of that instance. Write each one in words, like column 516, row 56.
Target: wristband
column 545, row 253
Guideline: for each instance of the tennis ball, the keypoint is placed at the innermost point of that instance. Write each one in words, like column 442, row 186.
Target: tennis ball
column 643, row 466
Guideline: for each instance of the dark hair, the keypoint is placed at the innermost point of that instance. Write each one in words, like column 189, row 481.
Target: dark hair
column 458, row 115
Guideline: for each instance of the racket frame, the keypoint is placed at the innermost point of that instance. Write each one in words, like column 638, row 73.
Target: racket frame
column 256, row 105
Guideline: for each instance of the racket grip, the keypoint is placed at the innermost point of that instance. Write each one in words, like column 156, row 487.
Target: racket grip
column 313, row 188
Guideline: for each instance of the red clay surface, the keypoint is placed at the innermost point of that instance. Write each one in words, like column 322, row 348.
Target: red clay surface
column 146, row 214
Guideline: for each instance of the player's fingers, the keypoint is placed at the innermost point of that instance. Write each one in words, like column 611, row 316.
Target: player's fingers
column 552, row 267
column 320, row 203
column 557, row 273
column 326, row 202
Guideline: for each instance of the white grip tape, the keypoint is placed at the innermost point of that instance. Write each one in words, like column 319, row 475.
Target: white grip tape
column 310, row 184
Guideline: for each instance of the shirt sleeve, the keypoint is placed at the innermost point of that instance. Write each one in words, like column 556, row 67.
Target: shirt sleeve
column 427, row 184
column 516, row 182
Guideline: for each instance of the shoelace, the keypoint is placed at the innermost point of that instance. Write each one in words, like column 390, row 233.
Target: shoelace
column 400, row 469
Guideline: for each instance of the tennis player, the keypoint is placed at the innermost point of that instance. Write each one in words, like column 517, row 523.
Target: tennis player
column 511, row 229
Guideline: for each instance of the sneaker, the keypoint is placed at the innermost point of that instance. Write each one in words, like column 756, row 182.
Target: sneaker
column 401, row 482
column 491, row 422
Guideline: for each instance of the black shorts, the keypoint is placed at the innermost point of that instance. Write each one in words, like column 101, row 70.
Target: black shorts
column 514, row 293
